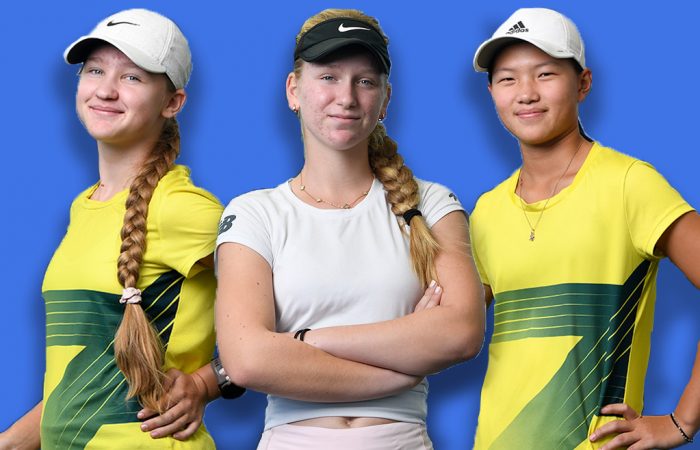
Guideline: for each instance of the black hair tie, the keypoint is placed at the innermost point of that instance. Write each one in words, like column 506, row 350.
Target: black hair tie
column 301, row 333
column 410, row 214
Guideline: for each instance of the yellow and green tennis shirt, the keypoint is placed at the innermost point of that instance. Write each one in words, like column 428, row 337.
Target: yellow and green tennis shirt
column 85, row 402
column 574, row 308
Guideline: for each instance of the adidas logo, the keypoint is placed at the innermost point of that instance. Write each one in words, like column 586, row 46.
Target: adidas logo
column 517, row 28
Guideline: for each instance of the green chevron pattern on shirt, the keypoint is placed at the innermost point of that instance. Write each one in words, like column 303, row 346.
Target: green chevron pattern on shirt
column 593, row 373
column 93, row 388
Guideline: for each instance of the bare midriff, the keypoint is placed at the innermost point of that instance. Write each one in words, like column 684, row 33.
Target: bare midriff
column 342, row 422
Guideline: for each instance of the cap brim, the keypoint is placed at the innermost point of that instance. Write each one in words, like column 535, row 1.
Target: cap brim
column 325, row 48
column 80, row 50
column 483, row 58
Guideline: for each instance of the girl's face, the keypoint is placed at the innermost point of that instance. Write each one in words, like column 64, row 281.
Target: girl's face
column 340, row 101
column 536, row 95
column 120, row 103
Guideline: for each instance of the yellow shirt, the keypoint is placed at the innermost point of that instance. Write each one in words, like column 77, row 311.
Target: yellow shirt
column 85, row 402
column 574, row 308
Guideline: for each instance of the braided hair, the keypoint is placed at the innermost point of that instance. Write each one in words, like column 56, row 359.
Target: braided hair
column 388, row 165
column 138, row 349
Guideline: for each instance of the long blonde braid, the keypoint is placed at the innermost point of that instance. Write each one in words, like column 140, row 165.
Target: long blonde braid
column 402, row 193
column 137, row 348
column 388, row 165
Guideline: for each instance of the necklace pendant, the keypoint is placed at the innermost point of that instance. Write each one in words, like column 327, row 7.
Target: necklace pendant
column 532, row 235
column 346, row 206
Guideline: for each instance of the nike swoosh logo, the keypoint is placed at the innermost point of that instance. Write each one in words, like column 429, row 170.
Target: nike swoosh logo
column 342, row 28
column 111, row 24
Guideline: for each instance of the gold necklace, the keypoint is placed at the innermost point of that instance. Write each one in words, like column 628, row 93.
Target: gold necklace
column 302, row 187
column 554, row 191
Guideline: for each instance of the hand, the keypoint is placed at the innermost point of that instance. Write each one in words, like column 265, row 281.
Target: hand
column 185, row 399
column 431, row 297
column 635, row 432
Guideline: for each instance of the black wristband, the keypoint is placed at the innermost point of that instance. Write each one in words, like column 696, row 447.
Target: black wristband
column 227, row 389
column 687, row 438
column 301, row 333
column 410, row 214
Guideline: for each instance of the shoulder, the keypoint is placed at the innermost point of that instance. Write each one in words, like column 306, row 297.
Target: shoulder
column 177, row 184
column 436, row 201
column 428, row 188
column 610, row 160
column 496, row 196
column 615, row 171
column 251, row 218
column 261, row 200
column 176, row 201
column 261, row 207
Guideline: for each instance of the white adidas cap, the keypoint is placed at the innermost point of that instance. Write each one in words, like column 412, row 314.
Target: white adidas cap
column 153, row 42
column 548, row 30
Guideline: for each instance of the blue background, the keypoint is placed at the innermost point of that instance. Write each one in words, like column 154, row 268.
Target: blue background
column 238, row 134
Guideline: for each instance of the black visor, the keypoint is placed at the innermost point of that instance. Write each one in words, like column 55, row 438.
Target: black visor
column 331, row 35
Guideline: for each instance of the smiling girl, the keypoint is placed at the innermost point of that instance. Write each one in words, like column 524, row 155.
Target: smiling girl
column 353, row 280
column 129, row 291
column 568, row 248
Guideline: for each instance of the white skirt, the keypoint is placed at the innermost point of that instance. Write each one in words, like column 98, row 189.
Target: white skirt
column 391, row 436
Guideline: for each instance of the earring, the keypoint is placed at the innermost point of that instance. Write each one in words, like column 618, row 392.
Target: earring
column 295, row 110
column 382, row 116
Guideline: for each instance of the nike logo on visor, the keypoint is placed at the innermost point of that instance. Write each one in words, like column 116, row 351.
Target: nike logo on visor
column 342, row 28
column 111, row 24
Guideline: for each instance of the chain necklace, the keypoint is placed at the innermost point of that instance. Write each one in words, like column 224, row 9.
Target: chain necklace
column 554, row 191
column 302, row 187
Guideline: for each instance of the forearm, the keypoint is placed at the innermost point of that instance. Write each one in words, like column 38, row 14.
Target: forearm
column 279, row 365
column 681, row 242
column 687, row 411
column 420, row 343
column 256, row 357
column 429, row 339
column 25, row 433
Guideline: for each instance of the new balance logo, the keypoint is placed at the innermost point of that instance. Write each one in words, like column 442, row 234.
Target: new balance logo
column 226, row 223
column 518, row 28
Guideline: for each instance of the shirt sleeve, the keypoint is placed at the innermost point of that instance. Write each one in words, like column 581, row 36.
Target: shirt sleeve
column 474, row 239
column 651, row 206
column 244, row 222
column 187, row 222
column 436, row 202
column 479, row 266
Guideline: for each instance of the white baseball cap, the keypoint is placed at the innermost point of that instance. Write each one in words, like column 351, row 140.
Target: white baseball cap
column 152, row 41
column 548, row 30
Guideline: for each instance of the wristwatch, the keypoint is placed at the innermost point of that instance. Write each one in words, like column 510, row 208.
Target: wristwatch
column 226, row 387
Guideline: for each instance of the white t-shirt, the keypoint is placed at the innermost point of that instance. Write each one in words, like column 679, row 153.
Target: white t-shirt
column 336, row 267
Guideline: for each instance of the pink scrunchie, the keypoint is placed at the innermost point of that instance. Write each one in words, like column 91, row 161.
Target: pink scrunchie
column 130, row 295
